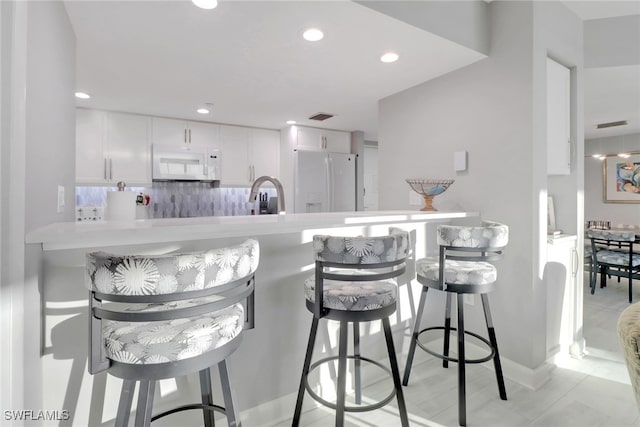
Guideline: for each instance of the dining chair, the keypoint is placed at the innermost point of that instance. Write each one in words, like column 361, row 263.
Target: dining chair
column 614, row 255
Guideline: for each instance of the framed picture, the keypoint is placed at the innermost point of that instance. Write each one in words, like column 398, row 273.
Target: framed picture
column 551, row 215
column 621, row 179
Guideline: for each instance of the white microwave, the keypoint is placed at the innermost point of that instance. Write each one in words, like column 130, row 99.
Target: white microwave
column 191, row 163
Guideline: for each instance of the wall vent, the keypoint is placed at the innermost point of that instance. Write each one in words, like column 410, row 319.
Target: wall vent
column 321, row 116
column 611, row 124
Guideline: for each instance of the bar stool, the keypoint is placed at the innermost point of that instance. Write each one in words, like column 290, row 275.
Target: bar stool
column 463, row 267
column 157, row 317
column 352, row 285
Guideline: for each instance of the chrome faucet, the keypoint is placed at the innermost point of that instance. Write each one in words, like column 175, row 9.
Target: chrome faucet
column 276, row 183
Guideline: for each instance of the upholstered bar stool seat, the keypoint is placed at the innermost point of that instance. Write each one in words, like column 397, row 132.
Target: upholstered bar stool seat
column 167, row 341
column 157, row 317
column 457, row 272
column 463, row 267
column 353, row 296
column 353, row 284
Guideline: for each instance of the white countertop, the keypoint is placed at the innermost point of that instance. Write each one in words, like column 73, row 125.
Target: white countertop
column 72, row 235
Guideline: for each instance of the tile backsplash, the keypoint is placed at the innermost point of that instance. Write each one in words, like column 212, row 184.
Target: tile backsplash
column 181, row 199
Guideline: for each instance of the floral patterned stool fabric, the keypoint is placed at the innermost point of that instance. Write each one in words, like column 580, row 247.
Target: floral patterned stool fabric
column 629, row 338
column 352, row 284
column 463, row 267
column 357, row 296
column 457, row 272
column 155, row 317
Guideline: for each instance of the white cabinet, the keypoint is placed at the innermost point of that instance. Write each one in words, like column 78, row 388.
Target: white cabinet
column 564, row 297
column 177, row 133
column 248, row 153
column 235, row 142
column 264, row 153
column 91, row 167
column 112, row 147
column 558, row 119
column 322, row 139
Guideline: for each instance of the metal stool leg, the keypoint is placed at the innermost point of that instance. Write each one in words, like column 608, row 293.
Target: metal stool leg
column 494, row 343
column 356, row 362
column 414, row 336
column 145, row 403
column 393, row 361
column 207, row 397
column 342, row 373
column 462, row 395
column 447, row 330
column 305, row 371
column 233, row 420
column 124, row 406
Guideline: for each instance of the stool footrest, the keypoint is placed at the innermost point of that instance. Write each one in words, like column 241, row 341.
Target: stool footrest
column 492, row 351
column 189, row 407
column 360, row 408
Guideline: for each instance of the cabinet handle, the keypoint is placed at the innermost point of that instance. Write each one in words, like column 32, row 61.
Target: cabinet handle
column 574, row 262
column 189, row 136
column 185, row 135
column 105, row 168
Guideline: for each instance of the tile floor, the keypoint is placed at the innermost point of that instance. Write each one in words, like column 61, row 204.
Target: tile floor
column 593, row 391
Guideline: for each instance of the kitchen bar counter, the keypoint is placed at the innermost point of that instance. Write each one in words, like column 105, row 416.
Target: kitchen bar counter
column 72, row 235
column 266, row 366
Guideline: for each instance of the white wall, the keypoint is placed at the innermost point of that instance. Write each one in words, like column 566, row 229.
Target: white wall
column 496, row 111
column 594, row 206
column 49, row 160
column 38, row 153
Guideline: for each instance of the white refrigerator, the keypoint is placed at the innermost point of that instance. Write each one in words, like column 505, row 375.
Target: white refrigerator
column 324, row 182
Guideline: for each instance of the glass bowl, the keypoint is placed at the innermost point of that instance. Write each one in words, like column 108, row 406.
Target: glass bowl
column 428, row 189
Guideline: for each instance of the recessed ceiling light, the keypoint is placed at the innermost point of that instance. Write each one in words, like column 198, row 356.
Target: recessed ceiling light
column 202, row 111
column 82, row 95
column 206, row 4
column 313, row 35
column 389, row 57
column 291, row 122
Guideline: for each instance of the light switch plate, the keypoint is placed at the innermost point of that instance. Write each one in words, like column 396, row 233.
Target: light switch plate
column 60, row 198
column 460, row 161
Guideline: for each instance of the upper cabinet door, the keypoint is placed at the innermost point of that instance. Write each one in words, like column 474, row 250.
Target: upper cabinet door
column 309, row 139
column 201, row 133
column 129, row 148
column 91, row 167
column 234, row 141
column 322, row 139
column 172, row 132
column 265, row 153
column 558, row 119
column 336, row 141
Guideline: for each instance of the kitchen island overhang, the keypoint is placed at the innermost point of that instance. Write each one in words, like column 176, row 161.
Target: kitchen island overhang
column 267, row 365
column 76, row 235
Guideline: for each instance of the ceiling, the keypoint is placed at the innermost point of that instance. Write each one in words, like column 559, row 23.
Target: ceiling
column 248, row 59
